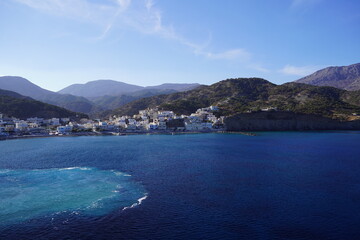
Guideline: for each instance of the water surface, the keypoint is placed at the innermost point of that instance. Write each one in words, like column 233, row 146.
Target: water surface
column 281, row 185
column 28, row 194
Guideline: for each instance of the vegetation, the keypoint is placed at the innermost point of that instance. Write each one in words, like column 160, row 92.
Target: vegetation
column 26, row 88
column 16, row 105
column 71, row 102
column 252, row 94
column 113, row 102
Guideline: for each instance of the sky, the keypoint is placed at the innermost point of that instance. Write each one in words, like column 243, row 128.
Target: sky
column 56, row 43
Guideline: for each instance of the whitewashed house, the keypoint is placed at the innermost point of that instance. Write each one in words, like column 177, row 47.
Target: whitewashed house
column 64, row 129
column 21, row 126
column 55, row 122
column 152, row 126
column 214, row 108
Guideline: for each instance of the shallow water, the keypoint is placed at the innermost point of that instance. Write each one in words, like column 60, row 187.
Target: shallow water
column 282, row 185
column 28, row 194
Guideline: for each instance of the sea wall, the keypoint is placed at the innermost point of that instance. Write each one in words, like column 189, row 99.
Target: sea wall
column 285, row 121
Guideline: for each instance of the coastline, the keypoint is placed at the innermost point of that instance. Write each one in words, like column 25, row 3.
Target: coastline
column 92, row 134
column 95, row 134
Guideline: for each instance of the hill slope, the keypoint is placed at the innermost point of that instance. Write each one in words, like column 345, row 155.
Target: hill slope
column 100, row 88
column 112, row 102
column 179, row 87
column 251, row 94
column 27, row 88
column 14, row 104
column 346, row 77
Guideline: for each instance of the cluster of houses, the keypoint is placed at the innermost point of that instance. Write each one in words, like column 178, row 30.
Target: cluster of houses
column 148, row 120
column 35, row 125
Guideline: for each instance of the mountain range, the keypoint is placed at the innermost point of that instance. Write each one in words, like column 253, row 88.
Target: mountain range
column 104, row 97
column 16, row 105
column 345, row 77
column 26, row 88
column 101, row 88
column 89, row 98
column 253, row 94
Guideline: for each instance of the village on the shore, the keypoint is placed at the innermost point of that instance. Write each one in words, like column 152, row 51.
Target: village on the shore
column 150, row 120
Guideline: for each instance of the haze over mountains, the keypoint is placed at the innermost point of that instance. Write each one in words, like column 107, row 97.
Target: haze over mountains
column 101, row 88
column 25, row 87
column 345, row 77
column 14, row 104
column 102, row 97
column 110, row 94
column 92, row 97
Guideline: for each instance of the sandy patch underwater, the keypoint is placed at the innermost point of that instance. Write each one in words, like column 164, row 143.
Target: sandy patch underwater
column 27, row 194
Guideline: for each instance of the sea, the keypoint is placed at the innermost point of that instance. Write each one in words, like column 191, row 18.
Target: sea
column 275, row 185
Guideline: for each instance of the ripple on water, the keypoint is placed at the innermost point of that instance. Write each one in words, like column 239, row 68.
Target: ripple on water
column 27, row 194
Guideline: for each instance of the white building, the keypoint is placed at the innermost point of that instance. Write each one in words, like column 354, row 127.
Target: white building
column 103, row 125
column 55, row 122
column 35, row 120
column 131, row 121
column 65, row 120
column 131, row 127
column 21, row 126
column 214, row 108
column 162, row 125
column 64, row 129
column 152, row 126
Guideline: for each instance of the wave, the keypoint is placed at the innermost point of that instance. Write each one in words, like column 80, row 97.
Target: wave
column 72, row 168
column 121, row 173
column 139, row 202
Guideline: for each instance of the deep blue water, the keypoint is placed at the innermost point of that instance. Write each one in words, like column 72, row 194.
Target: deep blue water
column 282, row 185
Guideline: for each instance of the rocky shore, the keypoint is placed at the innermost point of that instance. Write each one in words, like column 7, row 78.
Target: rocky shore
column 286, row 121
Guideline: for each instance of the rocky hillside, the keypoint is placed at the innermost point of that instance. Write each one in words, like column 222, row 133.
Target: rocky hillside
column 286, row 121
column 16, row 105
column 242, row 95
column 346, row 77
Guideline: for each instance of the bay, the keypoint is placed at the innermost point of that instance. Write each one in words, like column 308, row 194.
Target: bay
column 276, row 185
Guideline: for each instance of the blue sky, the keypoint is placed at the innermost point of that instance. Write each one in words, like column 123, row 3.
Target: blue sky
column 55, row 43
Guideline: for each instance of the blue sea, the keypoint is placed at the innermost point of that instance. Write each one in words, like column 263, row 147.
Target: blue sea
column 276, row 185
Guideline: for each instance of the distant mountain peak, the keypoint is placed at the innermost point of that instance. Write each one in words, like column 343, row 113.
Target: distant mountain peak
column 98, row 88
column 26, row 88
column 22, row 86
column 107, row 87
column 343, row 77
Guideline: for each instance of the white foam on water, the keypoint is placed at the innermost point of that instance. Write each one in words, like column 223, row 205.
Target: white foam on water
column 121, row 174
column 139, row 202
column 72, row 168
column 55, row 193
column 99, row 203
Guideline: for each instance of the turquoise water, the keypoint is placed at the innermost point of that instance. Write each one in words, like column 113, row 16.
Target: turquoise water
column 277, row 185
column 28, row 194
